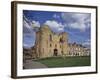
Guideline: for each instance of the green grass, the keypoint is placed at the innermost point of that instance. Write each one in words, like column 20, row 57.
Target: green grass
column 66, row 62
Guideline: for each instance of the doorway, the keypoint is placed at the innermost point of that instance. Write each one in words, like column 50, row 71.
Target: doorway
column 55, row 52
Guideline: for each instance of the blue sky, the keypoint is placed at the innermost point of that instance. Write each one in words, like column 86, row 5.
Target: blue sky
column 77, row 25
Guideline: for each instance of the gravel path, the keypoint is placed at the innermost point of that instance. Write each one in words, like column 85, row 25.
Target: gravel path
column 30, row 64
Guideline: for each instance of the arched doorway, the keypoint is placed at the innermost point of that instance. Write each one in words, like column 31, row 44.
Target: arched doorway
column 55, row 52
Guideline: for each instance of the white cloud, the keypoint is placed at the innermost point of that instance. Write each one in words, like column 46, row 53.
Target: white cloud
column 28, row 32
column 30, row 26
column 27, row 27
column 35, row 24
column 29, row 39
column 77, row 25
column 26, row 24
column 87, row 43
column 55, row 26
column 79, row 21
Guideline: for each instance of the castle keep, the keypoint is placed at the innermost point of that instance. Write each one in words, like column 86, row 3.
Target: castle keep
column 50, row 44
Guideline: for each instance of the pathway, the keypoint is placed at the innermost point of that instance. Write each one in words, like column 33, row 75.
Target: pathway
column 30, row 64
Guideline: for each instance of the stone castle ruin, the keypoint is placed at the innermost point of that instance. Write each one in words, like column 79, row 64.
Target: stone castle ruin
column 50, row 44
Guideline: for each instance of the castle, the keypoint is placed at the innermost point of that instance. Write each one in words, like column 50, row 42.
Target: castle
column 50, row 44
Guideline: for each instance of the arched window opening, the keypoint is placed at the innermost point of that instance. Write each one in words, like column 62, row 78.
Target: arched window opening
column 50, row 45
column 50, row 37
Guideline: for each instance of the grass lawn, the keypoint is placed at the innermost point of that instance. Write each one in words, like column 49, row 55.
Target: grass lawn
column 66, row 62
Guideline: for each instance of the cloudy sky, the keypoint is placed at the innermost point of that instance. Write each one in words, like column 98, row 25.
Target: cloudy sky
column 77, row 25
